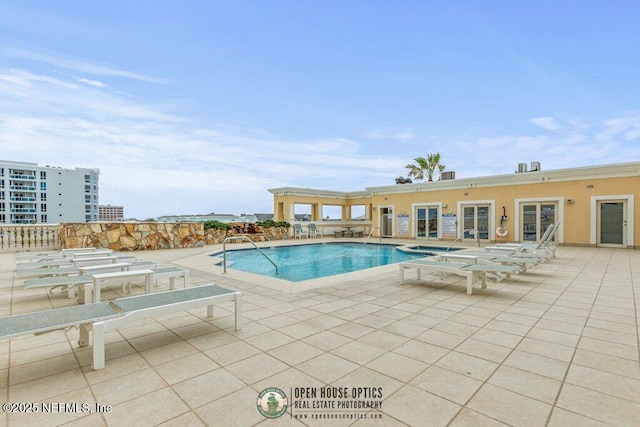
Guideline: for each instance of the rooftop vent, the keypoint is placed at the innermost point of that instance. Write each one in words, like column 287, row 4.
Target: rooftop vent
column 444, row 176
column 535, row 167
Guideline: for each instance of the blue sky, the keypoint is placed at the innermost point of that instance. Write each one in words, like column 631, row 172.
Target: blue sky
column 201, row 106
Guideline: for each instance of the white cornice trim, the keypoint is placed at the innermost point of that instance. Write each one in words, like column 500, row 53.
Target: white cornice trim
column 559, row 175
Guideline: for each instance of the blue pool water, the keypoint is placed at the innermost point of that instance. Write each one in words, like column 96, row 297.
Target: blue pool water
column 304, row 262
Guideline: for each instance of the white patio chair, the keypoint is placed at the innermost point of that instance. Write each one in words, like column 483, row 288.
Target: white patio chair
column 314, row 231
column 299, row 233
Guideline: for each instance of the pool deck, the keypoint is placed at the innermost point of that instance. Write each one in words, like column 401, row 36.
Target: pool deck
column 555, row 346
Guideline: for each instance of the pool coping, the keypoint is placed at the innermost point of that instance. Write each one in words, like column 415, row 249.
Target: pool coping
column 305, row 285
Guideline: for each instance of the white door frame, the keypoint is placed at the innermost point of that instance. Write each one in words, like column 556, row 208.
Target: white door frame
column 559, row 235
column 492, row 214
column 628, row 198
column 414, row 223
column 393, row 222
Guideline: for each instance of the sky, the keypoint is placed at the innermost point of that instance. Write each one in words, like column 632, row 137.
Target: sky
column 201, row 106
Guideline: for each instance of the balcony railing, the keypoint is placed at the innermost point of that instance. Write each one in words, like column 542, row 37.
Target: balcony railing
column 23, row 199
column 23, row 210
column 26, row 177
column 22, row 187
column 14, row 237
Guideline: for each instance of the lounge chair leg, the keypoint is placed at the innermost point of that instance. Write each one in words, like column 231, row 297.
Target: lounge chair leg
column 83, row 341
column 84, row 293
column 98, row 346
column 469, row 284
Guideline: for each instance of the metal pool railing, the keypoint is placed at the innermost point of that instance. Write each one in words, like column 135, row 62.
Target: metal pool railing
column 370, row 234
column 240, row 236
column 460, row 235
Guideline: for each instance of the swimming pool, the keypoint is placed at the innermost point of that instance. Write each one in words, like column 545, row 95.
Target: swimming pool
column 426, row 250
column 311, row 261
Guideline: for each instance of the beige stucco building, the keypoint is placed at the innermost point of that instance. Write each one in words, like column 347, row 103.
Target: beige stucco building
column 595, row 206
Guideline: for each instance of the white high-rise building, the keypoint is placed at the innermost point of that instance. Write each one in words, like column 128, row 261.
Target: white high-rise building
column 32, row 194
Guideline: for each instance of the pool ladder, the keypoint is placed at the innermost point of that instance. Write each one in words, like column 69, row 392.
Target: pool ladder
column 460, row 235
column 243, row 237
column 370, row 234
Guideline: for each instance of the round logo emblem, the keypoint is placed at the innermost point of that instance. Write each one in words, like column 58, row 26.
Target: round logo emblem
column 272, row 402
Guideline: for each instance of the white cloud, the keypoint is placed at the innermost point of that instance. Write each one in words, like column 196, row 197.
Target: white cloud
column 156, row 162
column 400, row 136
column 546, row 123
column 72, row 63
column 89, row 82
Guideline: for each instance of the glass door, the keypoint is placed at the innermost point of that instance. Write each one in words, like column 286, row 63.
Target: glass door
column 386, row 222
column 475, row 222
column 612, row 223
column 427, row 222
column 535, row 219
column 421, row 225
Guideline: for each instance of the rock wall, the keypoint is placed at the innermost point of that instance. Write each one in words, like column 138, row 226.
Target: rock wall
column 135, row 236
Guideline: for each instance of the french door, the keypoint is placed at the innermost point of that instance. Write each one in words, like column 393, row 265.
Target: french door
column 386, row 222
column 475, row 222
column 427, row 222
column 535, row 218
column 612, row 223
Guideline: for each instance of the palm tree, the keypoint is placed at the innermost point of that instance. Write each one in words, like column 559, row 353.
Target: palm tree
column 427, row 167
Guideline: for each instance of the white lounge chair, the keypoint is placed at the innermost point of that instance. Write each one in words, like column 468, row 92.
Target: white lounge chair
column 484, row 257
column 546, row 244
column 472, row 271
column 299, row 233
column 108, row 315
column 69, row 283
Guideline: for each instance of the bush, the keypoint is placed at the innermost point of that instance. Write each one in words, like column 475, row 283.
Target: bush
column 271, row 223
column 217, row 225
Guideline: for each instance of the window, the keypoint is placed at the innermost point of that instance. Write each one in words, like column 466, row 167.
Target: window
column 2, row 206
column 332, row 212
column 43, row 197
column 43, row 186
column 43, row 218
column 43, row 207
column 358, row 213
column 302, row 212
column 43, row 175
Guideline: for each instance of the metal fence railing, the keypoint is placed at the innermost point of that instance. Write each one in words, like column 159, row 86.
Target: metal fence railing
column 20, row 237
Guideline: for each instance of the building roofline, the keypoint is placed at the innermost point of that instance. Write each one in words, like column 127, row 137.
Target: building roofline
column 557, row 175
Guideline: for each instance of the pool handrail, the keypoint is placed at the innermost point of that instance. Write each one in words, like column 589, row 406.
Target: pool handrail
column 370, row 233
column 460, row 235
column 244, row 237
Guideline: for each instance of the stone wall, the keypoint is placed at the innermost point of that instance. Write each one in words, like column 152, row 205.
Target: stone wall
column 135, row 236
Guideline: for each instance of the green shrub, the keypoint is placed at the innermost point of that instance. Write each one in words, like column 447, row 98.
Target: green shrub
column 271, row 223
column 217, row 225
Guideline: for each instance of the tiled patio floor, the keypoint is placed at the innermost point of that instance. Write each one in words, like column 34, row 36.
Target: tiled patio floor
column 556, row 346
